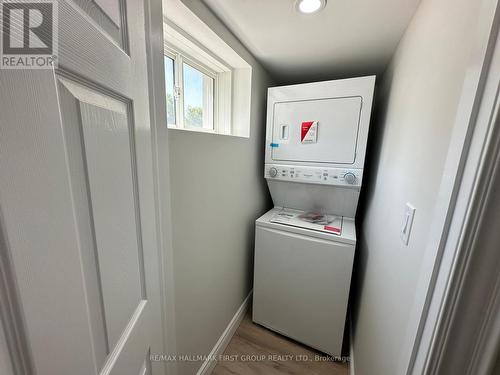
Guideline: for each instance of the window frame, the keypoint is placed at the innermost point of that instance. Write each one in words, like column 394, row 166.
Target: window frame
column 229, row 81
column 180, row 58
column 171, row 56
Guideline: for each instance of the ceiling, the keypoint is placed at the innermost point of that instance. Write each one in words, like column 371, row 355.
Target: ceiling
column 347, row 38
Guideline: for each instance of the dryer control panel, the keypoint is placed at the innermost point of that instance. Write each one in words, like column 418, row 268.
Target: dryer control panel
column 314, row 175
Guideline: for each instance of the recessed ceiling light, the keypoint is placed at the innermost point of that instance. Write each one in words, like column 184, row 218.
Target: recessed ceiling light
column 309, row 6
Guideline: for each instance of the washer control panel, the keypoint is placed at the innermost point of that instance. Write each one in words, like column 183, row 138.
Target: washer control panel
column 314, row 175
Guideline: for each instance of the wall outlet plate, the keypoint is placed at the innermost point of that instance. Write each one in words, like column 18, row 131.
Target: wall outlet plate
column 407, row 223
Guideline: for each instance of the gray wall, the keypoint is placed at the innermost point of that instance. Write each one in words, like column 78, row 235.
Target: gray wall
column 218, row 191
column 418, row 98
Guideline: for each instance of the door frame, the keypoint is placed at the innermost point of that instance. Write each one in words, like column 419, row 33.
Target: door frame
column 461, row 200
column 161, row 174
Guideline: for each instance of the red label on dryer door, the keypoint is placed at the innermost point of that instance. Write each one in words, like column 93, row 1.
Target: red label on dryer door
column 309, row 132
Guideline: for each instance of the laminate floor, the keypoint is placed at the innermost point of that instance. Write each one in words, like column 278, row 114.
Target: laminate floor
column 257, row 350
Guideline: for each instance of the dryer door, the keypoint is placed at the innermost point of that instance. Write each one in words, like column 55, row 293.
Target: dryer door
column 320, row 131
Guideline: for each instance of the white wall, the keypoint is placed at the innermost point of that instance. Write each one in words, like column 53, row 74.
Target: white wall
column 418, row 98
column 218, row 191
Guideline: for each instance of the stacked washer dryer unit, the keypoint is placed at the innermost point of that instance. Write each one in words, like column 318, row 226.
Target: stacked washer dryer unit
column 315, row 152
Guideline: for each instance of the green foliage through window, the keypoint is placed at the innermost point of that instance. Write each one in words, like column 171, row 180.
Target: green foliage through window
column 194, row 116
column 170, row 109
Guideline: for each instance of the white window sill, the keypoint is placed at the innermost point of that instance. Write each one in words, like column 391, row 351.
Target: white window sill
column 205, row 131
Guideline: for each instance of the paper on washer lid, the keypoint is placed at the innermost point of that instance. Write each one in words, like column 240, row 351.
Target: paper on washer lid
column 332, row 225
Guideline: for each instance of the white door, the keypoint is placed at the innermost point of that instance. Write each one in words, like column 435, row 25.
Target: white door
column 77, row 206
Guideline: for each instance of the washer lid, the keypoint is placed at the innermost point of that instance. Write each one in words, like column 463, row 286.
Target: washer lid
column 348, row 234
column 309, row 220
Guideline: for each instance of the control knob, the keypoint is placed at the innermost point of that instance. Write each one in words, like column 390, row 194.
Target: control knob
column 273, row 172
column 350, row 178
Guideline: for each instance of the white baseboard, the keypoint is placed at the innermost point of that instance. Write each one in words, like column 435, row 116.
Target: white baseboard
column 351, row 349
column 221, row 344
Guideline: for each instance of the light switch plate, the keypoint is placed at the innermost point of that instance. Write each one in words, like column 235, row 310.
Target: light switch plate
column 407, row 223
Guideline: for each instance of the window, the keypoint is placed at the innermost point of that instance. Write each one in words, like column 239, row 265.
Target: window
column 205, row 91
column 198, row 98
column 191, row 93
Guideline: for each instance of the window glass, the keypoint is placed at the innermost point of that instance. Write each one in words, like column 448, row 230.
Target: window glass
column 169, row 83
column 198, row 98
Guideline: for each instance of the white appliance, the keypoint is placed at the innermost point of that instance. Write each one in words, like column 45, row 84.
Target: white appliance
column 315, row 151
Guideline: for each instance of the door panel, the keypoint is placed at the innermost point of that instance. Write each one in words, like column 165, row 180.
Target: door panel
column 70, row 117
column 112, row 8
column 103, row 125
column 108, row 15
column 78, row 206
column 107, row 152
